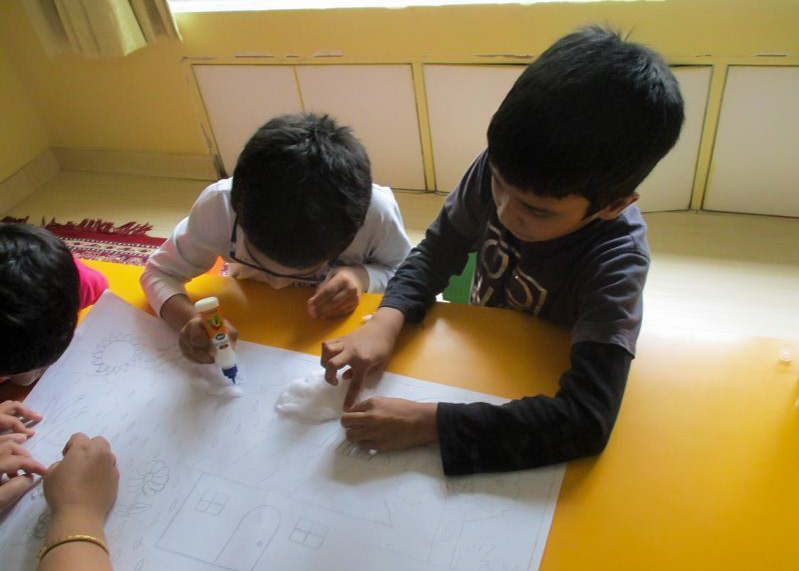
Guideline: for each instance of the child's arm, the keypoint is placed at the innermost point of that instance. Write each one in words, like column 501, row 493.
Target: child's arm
column 424, row 274
column 539, row 431
column 80, row 490
column 92, row 284
column 525, row 433
column 191, row 251
column 388, row 244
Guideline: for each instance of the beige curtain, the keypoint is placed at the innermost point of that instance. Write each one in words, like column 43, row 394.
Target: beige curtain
column 100, row 28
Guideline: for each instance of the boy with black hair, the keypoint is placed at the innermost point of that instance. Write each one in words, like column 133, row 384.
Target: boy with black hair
column 300, row 209
column 42, row 288
column 549, row 211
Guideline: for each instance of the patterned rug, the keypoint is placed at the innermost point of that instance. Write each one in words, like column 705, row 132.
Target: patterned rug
column 103, row 241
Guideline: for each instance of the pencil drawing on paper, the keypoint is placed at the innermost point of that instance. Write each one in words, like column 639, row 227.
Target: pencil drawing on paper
column 209, row 483
column 116, row 354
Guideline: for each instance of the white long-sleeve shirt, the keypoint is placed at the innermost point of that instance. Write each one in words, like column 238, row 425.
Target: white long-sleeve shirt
column 380, row 245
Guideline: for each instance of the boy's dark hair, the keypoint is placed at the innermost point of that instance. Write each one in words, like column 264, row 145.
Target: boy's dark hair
column 591, row 116
column 39, row 298
column 301, row 189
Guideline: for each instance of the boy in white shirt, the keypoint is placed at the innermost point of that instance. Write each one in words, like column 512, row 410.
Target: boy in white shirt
column 300, row 209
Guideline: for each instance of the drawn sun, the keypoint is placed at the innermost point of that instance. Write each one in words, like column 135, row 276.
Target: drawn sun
column 117, row 354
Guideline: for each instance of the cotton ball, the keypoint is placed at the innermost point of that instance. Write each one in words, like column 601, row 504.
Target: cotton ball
column 311, row 399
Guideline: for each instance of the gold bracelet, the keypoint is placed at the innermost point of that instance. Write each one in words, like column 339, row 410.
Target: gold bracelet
column 45, row 549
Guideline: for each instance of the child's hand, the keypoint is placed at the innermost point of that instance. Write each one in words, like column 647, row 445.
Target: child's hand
column 85, row 482
column 340, row 293
column 381, row 423
column 364, row 350
column 195, row 344
column 12, row 414
column 13, row 458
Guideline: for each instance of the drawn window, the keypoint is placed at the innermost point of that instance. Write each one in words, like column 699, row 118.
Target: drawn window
column 309, row 533
column 212, row 502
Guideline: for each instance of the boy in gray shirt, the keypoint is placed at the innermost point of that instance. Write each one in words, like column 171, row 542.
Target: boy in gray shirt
column 549, row 210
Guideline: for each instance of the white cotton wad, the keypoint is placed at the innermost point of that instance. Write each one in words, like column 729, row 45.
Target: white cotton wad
column 310, row 399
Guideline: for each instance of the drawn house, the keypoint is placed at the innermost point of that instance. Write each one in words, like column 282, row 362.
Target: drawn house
column 202, row 528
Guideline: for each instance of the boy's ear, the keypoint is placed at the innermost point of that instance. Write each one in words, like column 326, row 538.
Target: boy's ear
column 616, row 207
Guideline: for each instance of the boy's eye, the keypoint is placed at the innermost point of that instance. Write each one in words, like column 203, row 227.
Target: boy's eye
column 537, row 213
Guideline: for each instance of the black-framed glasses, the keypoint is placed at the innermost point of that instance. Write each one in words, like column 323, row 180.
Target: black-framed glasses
column 314, row 280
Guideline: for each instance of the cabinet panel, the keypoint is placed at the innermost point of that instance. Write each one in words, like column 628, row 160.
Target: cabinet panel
column 755, row 167
column 378, row 102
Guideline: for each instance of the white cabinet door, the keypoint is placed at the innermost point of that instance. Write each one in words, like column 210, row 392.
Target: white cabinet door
column 378, row 102
column 240, row 98
column 670, row 184
column 460, row 102
column 755, row 167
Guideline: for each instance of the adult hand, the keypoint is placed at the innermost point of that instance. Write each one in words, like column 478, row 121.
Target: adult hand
column 86, row 481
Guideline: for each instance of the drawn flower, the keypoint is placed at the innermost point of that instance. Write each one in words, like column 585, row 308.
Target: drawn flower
column 42, row 525
column 117, row 354
column 150, row 478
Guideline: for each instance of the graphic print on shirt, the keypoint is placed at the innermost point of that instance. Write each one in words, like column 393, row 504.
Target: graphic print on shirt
column 498, row 279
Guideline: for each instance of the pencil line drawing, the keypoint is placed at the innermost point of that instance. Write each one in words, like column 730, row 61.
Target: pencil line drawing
column 117, row 353
column 211, row 503
column 150, row 478
column 309, row 533
column 227, row 484
column 42, row 526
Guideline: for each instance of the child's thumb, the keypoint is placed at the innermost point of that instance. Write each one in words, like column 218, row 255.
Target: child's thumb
column 14, row 489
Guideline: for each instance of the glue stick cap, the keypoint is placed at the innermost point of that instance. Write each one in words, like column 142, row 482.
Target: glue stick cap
column 206, row 304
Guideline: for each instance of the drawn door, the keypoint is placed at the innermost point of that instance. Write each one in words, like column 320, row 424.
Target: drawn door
column 250, row 539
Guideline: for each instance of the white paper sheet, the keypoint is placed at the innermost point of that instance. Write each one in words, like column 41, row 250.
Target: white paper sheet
column 213, row 483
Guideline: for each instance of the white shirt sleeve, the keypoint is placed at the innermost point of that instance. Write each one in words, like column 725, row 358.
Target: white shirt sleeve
column 192, row 249
column 382, row 240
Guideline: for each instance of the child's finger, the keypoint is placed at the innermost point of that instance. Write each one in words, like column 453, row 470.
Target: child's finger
column 195, row 354
column 76, row 438
column 325, row 291
column 16, row 408
column 340, row 304
column 232, row 332
column 358, row 377
column 362, row 407
column 14, row 437
column 353, row 419
column 344, row 308
column 359, row 434
column 13, row 448
column 10, row 465
column 15, row 425
column 197, row 337
column 338, row 361
column 340, row 296
column 330, row 349
column 14, row 489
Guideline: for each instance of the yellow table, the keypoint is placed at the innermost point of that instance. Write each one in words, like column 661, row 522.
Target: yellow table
column 702, row 470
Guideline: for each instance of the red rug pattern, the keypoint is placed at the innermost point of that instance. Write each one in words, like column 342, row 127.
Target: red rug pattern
column 102, row 240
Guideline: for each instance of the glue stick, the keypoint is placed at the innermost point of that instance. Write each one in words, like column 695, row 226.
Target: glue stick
column 214, row 325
